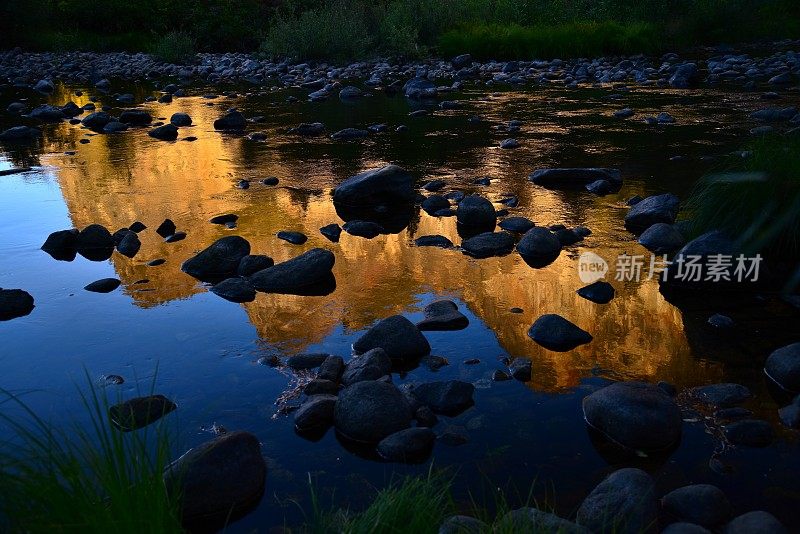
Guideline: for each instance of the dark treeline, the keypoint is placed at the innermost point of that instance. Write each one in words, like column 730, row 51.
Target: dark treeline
column 353, row 29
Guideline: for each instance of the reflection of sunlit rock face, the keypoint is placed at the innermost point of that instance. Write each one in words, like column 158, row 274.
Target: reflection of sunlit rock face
column 118, row 179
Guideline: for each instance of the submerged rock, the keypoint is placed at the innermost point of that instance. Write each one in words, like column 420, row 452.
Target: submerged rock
column 220, row 260
column 96, row 121
column 365, row 229
column 370, row 410
column 218, row 480
column 623, row 503
column 443, row 315
column 295, row 238
column 555, row 333
column 397, row 336
column 300, row 362
column 749, row 432
column 449, row 397
column 519, row 225
column 412, row 445
column 300, row 275
column 180, row 119
column 15, row 303
column 20, row 133
column 62, row 245
column 332, row 232
column 140, row 412
column 385, row 186
column 724, row 395
column 635, row 415
column 136, row 117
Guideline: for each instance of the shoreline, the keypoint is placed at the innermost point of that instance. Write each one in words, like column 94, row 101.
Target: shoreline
column 742, row 66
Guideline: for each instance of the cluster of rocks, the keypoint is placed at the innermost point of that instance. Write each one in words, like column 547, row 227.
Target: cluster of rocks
column 626, row 501
column 779, row 68
column 360, row 401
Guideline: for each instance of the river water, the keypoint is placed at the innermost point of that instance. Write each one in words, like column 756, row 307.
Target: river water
column 203, row 352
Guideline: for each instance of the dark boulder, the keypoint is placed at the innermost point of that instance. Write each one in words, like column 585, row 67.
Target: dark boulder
column 218, row 480
column 434, row 203
column 652, row 210
column 167, row 132
column 397, row 336
column 331, row 369
column 702, row 504
column 635, row 415
column 463, row 524
column 756, row 522
column 300, row 275
column 433, row 241
column 15, row 303
column 443, row 315
column 295, row 238
column 488, row 244
column 252, row 263
column 140, row 412
column 521, row 369
column 180, row 120
column 412, row 445
column 600, row 292
column 96, row 121
column 702, row 250
column 316, row 414
column 623, row 503
column 685, row 76
column 539, row 247
column 555, row 333
column 20, row 133
column 234, row 289
column 135, row 117
column 783, row 367
column 370, row 410
column 661, row 238
column 62, row 244
column 476, row 211
column 371, row 365
column 94, row 236
column 332, row 232
column 220, row 260
column 48, row 113
column 387, row 185
column 129, row 245
column 309, row 129
column 365, row 229
column 349, row 133
column 518, row 225
column 449, row 397
column 166, row 228
column 233, row 120
column 104, row 285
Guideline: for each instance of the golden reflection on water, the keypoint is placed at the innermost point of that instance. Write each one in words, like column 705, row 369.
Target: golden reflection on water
column 117, row 179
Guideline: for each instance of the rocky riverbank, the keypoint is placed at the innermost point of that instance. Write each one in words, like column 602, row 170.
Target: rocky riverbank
column 776, row 64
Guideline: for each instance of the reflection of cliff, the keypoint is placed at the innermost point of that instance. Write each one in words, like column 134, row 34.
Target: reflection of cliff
column 115, row 180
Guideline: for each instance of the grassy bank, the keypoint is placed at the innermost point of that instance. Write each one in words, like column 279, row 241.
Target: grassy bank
column 345, row 30
column 82, row 478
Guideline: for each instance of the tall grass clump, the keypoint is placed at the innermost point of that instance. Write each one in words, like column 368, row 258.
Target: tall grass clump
column 578, row 39
column 756, row 202
column 85, row 478
column 412, row 504
column 174, row 47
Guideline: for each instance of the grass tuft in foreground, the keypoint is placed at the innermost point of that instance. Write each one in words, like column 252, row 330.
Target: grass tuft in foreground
column 88, row 478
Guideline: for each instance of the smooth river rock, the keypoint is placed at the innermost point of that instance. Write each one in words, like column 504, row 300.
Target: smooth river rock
column 397, row 336
column 624, row 503
column 635, row 415
column 370, row 410
column 783, row 367
column 220, row 260
column 442, row 315
column 385, row 186
column 539, row 247
column 298, row 275
column 15, row 303
column 555, row 333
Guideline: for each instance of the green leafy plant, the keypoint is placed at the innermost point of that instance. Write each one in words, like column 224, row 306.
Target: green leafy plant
column 174, row 47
